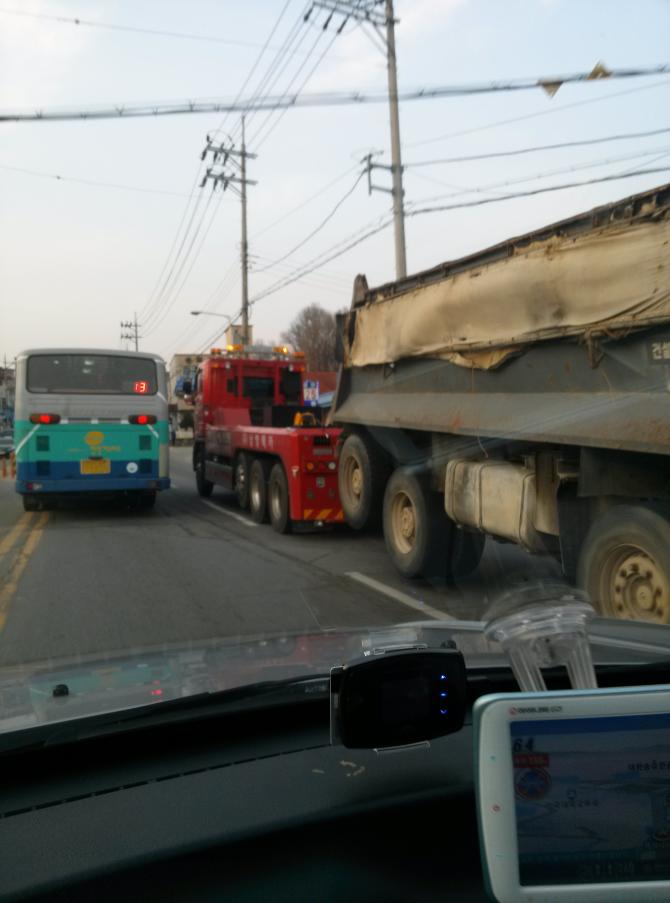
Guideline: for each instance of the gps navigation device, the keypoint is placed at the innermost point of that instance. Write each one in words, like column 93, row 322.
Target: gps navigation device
column 573, row 794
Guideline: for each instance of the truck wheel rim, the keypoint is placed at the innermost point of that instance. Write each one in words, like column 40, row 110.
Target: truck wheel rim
column 255, row 491
column 353, row 481
column 635, row 587
column 240, row 475
column 275, row 502
column 403, row 523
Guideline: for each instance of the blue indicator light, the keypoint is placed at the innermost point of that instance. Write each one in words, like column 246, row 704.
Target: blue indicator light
column 443, row 676
column 444, row 711
column 443, row 694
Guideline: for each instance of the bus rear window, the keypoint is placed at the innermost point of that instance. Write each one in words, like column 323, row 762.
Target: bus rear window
column 91, row 374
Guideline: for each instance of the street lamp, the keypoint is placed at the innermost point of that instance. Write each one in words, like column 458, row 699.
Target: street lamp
column 209, row 313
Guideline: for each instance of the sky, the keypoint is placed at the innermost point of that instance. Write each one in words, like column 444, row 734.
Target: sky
column 82, row 253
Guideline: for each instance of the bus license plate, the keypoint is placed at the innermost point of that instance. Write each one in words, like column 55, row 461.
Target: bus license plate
column 96, row 465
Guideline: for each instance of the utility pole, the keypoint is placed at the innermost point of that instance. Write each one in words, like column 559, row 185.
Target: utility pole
column 396, row 161
column 229, row 170
column 366, row 12
column 134, row 335
column 245, row 246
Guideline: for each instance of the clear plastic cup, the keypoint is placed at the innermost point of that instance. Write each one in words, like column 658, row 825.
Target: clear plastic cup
column 541, row 626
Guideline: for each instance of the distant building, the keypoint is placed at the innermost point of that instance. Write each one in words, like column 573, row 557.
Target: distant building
column 7, row 391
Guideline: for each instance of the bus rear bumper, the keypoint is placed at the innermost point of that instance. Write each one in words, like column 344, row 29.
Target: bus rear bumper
column 97, row 484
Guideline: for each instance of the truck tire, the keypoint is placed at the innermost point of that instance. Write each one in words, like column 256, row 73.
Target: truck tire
column 363, row 472
column 414, row 526
column 624, row 564
column 203, row 485
column 258, row 490
column 278, row 499
column 242, row 468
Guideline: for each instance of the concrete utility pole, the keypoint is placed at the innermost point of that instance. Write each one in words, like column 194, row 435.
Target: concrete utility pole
column 245, row 246
column 367, row 13
column 396, row 161
column 227, row 162
column 134, row 336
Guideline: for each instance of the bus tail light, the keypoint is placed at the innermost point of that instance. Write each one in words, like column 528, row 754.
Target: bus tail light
column 45, row 418
column 141, row 419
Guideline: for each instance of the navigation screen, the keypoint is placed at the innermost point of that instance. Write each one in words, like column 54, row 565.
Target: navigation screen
column 592, row 799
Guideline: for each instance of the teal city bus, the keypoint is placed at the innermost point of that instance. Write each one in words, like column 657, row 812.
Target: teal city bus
column 90, row 421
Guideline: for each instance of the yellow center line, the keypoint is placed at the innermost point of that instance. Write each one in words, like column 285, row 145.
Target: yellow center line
column 22, row 559
column 15, row 532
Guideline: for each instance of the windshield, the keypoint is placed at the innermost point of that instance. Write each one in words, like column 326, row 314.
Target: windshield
column 325, row 327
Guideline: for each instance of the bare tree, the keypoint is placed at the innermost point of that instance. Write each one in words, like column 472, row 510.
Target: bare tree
column 313, row 331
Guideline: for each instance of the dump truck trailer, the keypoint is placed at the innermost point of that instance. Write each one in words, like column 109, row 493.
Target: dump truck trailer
column 521, row 392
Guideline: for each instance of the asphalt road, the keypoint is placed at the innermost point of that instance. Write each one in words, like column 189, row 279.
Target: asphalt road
column 98, row 578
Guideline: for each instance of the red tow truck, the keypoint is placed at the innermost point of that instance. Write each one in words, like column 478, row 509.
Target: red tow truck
column 254, row 435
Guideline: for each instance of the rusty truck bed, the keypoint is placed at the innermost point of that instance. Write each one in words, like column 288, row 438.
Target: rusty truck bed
column 613, row 394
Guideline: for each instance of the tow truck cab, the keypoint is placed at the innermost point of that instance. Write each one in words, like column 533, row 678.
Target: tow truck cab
column 248, row 386
column 255, row 435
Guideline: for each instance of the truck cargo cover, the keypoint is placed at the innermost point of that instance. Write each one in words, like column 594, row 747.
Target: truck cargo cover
column 595, row 279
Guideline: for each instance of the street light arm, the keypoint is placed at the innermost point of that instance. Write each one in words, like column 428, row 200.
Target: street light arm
column 210, row 313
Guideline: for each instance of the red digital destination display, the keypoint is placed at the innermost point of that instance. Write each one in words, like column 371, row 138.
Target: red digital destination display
column 141, row 387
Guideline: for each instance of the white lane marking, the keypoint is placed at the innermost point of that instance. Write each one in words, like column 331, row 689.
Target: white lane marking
column 242, row 520
column 399, row 596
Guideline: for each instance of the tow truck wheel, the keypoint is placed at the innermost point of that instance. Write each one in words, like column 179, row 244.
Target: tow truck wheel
column 278, row 501
column 242, row 468
column 414, row 526
column 258, row 490
column 362, row 475
column 624, row 564
column 203, row 485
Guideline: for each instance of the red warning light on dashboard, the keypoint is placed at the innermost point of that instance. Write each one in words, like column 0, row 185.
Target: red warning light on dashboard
column 141, row 387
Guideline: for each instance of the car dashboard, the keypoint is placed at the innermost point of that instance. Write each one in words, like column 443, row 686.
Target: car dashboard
column 248, row 806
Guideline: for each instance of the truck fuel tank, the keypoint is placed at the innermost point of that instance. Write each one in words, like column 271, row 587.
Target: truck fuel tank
column 496, row 497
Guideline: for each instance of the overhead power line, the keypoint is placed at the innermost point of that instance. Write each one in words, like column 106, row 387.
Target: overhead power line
column 92, row 182
column 308, row 200
column 315, row 231
column 533, row 191
column 348, row 244
column 325, row 257
column 515, row 152
column 265, row 47
column 279, row 63
column 136, row 29
column 178, row 265
column 197, row 197
column 264, row 126
column 297, row 100
column 576, row 167
column 160, row 316
column 168, row 270
column 497, row 123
